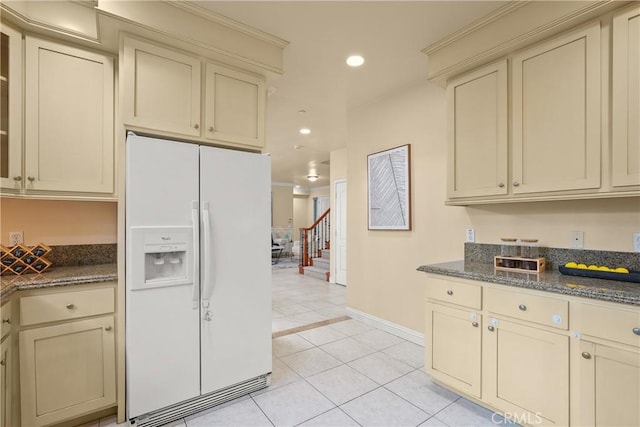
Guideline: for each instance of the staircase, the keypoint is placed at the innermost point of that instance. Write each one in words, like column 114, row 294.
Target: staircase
column 319, row 267
column 314, row 248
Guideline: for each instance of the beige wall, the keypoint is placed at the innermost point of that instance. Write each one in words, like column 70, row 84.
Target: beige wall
column 315, row 192
column 338, row 172
column 282, row 205
column 55, row 222
column 382, row 277
column 300, row 213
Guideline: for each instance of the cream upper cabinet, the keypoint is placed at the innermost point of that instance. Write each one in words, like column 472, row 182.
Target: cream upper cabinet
column 235, row 106
column 556, row 114
column 477, row 133
column 69, row 144
column 161, row 88
column 11, row 109
column 626, row 98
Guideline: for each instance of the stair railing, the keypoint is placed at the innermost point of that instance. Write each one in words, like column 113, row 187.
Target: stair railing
column 313, row 240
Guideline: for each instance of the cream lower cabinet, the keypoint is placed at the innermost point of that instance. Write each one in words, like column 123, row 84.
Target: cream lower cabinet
column 526, row 372
column 67, row 365
column 5, row 382
column 69, row 113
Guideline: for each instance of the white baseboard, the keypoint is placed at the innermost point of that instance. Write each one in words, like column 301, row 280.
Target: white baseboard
column 385, row 325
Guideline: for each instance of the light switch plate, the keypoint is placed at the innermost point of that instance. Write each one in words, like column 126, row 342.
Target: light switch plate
column 15, row 237
column 471, row 235
column 636, row 242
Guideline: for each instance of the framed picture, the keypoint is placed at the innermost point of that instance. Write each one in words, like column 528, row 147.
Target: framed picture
column 389, row 187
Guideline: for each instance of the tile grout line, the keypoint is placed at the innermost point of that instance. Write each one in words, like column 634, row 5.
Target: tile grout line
column 314, row 325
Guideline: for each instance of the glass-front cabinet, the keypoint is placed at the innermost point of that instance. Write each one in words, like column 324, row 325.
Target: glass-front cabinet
column 11, row 109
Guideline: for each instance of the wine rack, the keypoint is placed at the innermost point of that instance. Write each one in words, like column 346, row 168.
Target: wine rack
column 519, row 264
column 21, row 259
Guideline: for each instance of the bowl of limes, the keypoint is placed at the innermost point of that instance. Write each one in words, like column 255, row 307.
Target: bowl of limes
column 600, row 272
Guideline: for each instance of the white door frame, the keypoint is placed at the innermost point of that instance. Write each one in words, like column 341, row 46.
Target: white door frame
column 337, row 247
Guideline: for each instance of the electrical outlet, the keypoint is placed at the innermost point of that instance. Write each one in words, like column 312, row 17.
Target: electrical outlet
column 636, row 242
column 577, row 239
column 471, row 235
column 15, row 237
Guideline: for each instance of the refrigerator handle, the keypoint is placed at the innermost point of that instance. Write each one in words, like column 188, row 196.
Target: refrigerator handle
column 195, row 224
column 206, row 260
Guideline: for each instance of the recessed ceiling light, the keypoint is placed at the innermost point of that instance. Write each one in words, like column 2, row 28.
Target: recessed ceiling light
column 355, row 61
column 312, row 178
column 298, row 147
column 305, row 131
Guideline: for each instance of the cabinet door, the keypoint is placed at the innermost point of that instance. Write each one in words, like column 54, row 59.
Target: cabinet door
column 66, row 370
column 556, row 114
column 235, row 106
column 453, row 347
column 161, row 89
column 477, row 127
column 5, row 383
column 609, row 386
column 626, row 98
column 69, row 142
column 11, row 110
column 529, row 371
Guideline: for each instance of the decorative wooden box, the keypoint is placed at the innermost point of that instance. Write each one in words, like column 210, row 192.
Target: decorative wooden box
column 519, row 264
column 21, row 259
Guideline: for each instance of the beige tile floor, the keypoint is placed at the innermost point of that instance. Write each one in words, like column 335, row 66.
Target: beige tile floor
column 344, row 374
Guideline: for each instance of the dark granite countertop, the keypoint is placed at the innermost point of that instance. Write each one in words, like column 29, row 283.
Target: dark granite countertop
column 550, row 281
column 58, row 276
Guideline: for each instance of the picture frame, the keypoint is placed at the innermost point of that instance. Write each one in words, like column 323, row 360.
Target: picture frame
column 389, row 189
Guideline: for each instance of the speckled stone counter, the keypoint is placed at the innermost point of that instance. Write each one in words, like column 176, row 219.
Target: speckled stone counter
column 550, row 281
column 58, row 276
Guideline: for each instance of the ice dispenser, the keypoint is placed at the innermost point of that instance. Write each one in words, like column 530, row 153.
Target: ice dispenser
column 162, row 256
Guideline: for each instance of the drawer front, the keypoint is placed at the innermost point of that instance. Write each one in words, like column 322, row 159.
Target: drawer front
column 5, row 316
column 454, row 292
column 544, row 310
column 611, row 323
column 65, row 305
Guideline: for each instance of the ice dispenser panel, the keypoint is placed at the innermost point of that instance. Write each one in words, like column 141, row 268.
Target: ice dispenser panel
column 163, row 256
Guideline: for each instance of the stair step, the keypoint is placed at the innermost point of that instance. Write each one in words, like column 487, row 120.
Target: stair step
column 317, row 273
column 321, row 263
column 326, row 253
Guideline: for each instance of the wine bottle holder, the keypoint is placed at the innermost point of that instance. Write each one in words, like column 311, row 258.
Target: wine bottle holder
column 21, row 259
column 519, row 264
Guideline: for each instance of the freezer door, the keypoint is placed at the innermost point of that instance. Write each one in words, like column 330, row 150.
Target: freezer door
column 162, row 322
column 235, row 189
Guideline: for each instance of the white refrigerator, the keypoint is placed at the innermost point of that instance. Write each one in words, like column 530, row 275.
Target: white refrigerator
column 198, row 277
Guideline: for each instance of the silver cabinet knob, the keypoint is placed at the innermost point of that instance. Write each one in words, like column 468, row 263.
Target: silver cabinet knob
column 449, row 292
column 196, row 126
column 17, row 178
column 31, row 178
column 516, row 183
column 586, row 355
column 491, row 328
column 7, row 320
column 474, row 324
column 210, row 128
column 636, row 331
column 522, row 307
column 108, row 328
column 71, row 306
column 501, row 185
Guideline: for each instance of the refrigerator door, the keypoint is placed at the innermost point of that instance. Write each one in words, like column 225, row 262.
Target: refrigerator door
column 162, row 324
column 235, row 191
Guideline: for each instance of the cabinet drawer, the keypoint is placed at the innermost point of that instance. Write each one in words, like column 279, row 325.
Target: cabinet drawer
column 65, row 305
column 454, row 292
column 533, row 308
column 5, row 316
column 611, row 323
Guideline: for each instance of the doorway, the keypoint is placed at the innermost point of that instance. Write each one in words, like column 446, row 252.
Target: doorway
column 340, row 228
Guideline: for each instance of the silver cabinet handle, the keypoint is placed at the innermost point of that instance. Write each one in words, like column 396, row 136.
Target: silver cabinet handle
column 516, row 183
column 491, row 328
column 31, row 178
column 636, row 331
column 449, row 292
column 71, row 306
column 196, row 126
column 17, row 178
column 522, row 307
column 501, row 185
column 3, row 362
column 211, row 129
column 7, row 320
column 108, row 328
column 586, row 355
column 474, row 324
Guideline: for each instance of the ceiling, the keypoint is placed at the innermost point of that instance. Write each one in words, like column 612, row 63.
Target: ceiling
column 318, row 89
